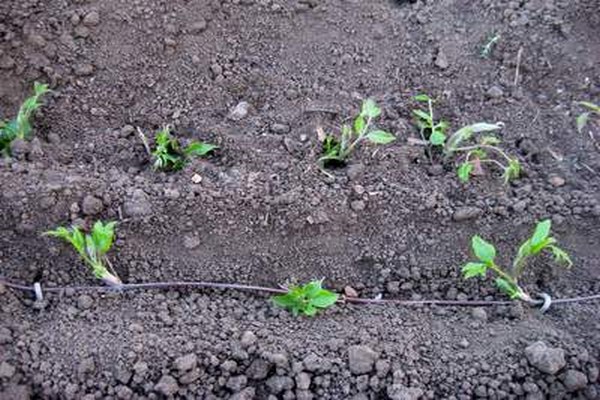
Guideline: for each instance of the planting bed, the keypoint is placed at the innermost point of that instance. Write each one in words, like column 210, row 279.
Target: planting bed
column 260, row 212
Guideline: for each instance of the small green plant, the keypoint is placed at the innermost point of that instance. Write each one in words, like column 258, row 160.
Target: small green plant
column 337, row 150
column 431, row 131
column 20, row 127
column 583, row 118
column 507, row 279
column 168, row 154
column 92, row 248
column 434, row 134
column 479, row 152
column 307, row 299
column 489, row 46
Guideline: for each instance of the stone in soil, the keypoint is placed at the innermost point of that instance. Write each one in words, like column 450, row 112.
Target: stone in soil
column 91, row 205
column 549, row 360
column 361, row 359
column 574, row 380
column 240, row 111
column 167, row 386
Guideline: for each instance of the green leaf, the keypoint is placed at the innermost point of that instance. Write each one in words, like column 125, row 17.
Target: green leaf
column 422, row 115
column 359, row 125
column 285, row 300
column 103, row 236
column 437, row 138
column 561, row 256
column 508, row 288
column 594, row 107
column 324, row 299
column 199, row 149
column 464, row 171
column 542, row 231
column 483, row 250
column 310, row 310
column 380, row 137
column 582, row 120
column 370, row 109
column 512, row 171
column 307, row 299
column 311, row 289
column 422, row 98
column 472, row 269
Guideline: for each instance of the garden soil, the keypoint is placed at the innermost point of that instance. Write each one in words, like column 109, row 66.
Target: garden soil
column 258, row 78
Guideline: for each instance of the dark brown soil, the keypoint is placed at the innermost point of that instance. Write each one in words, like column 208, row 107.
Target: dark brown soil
column 389, row 223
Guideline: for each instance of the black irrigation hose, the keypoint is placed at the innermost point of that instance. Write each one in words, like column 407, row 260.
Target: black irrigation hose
column 234, row 286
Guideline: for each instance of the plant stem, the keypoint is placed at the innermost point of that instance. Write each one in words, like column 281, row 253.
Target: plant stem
column 496, row 162
column 360, row 137
column 484, row 146
column 513, row 280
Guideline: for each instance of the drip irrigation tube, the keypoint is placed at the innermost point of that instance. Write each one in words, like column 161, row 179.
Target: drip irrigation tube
column 36, row 288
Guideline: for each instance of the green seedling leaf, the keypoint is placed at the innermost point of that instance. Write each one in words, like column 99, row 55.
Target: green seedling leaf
column 359, row 125
column 509, row 288
column 582, row 121
column 199, row 149
column 541, row 233
column 103, row 236
column 324, row 299
column 335, row 151
column 512, row 171
column 466, row 132
column 20, row 127
column 437, row 138
column 561, row 256
column 483, row 250
column 380, row 137
column 422, row 115
column 168, row 155
column 370, row 109
column 591, row 106
column 307, row 299
column 91, row 247
column 464, row 171
column 472, row 269
column 422, row 98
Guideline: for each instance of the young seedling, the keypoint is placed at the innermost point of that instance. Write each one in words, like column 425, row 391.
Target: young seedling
column 434, row 134
column 507, row 279
column 583, row 118
column 486, row 51
column 168, row 154
column 431, row 131
column 337, row 150
column 20, row 127
column 479, row 153
column 92, row 248
column 307, row 299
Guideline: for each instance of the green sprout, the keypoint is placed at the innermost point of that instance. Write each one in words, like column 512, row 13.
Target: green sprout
column 487, row 49
column 337, row 150
column 20, row 127
column 507, row 280
column 434, row 134
column 479, row 153
column 307, row 299
column 431, row 131
column 583, row 118
column 92, row 248
column 168, row 154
